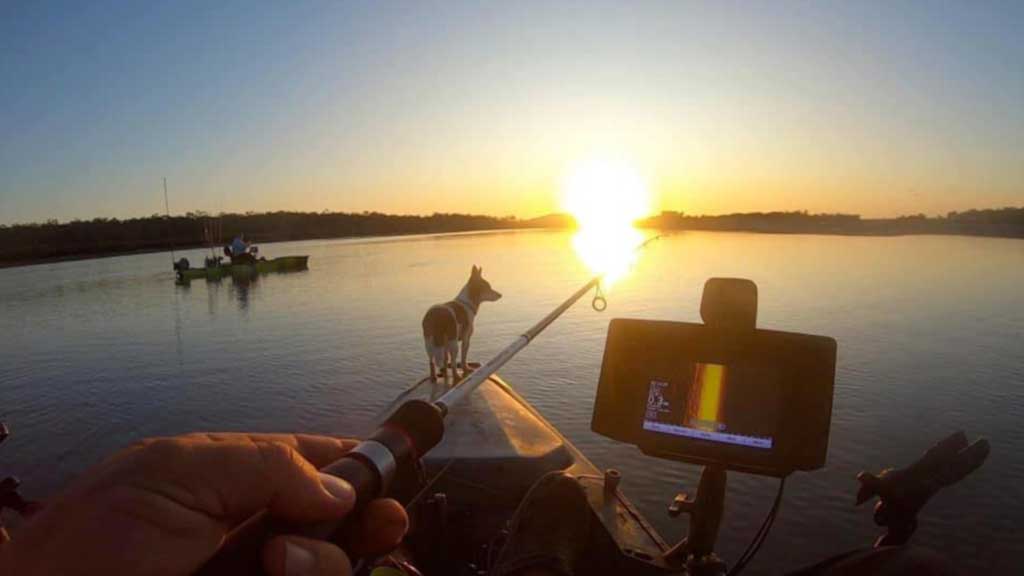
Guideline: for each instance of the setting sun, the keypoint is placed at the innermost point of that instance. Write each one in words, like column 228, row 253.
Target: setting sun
column 606, row 197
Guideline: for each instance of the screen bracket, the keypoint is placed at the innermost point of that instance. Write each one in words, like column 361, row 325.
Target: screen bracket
column 729, row 304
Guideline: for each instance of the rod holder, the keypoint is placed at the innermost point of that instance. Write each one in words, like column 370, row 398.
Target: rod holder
column 9, row 495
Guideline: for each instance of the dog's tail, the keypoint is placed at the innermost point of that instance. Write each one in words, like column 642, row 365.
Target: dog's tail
column 439, row 326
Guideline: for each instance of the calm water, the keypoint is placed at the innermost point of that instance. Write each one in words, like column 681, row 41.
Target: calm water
column 95, row 354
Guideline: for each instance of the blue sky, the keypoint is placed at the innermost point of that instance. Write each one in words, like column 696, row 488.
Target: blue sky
column 876, row 108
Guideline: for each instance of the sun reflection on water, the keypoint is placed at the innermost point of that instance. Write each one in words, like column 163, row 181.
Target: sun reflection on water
column 606, row 197
column 609, row 254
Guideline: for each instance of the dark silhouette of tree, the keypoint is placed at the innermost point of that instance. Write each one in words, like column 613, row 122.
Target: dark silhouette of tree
column 35, row 242
column 1004, row 222
column 26, row 243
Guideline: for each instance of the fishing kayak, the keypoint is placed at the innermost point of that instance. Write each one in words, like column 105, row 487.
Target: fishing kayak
column 282, row 264
column 495, row 447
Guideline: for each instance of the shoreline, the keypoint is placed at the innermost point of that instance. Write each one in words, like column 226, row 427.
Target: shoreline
column 369, row 237
column 401, row 235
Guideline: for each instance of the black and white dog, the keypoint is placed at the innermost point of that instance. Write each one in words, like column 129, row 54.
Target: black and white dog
column 446, row 325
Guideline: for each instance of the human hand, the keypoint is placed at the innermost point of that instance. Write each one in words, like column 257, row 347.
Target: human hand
column 163, row 507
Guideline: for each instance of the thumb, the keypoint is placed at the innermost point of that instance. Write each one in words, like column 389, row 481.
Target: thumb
column 296, row 556
column 869, row 487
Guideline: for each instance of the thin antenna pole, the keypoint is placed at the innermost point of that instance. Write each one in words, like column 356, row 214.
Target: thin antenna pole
column 167, row 207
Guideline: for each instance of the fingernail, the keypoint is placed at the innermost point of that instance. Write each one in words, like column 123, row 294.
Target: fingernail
column 298, row 561
column 338, row 488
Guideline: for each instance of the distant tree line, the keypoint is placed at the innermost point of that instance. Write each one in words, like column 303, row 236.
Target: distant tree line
column 1004, row 222
column 53, row 240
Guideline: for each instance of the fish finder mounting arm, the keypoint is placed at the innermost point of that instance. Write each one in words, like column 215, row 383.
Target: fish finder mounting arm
column 723, row 394
column 727, row 304
column 696, row 552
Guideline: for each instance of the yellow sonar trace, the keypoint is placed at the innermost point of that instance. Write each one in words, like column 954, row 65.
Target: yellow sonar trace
column 709, row 383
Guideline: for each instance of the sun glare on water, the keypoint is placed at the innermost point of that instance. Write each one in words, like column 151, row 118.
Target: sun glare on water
column 606, row 198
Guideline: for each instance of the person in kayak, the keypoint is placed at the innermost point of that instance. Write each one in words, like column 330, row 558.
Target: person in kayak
column 240, row 251
column 163, row 507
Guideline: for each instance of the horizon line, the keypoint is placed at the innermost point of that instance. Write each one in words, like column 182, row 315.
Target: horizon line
column 204, row 214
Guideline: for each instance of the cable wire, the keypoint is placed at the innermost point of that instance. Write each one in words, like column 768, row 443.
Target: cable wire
column 762, row 533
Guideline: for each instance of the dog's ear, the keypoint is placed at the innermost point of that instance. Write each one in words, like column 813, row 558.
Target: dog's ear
column 476, row 271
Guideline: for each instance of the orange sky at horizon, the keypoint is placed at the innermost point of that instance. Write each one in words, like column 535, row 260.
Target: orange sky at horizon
column 871, row 108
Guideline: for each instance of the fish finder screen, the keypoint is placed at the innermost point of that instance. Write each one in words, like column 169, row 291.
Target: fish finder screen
column 714, row 402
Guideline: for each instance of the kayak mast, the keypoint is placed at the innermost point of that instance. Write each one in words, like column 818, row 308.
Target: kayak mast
column 167, row 208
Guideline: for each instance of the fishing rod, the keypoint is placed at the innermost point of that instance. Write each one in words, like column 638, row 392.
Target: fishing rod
column 478, row 377
column 391, row 453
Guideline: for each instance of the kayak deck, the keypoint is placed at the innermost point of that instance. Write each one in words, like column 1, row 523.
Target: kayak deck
column 495, row 447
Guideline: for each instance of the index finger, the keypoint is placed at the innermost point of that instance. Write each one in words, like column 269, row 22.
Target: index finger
column 318, row 450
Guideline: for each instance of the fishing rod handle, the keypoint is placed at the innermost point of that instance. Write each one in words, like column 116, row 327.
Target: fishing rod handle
column 393, row 452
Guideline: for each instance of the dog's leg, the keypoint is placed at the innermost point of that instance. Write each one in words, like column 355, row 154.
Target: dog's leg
column 453, row 354
column 440, row 360
column 430, row 358
column 465, row 353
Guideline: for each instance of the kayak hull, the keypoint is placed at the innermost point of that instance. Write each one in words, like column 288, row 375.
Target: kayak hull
column 496, row 446
column 282, row 264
